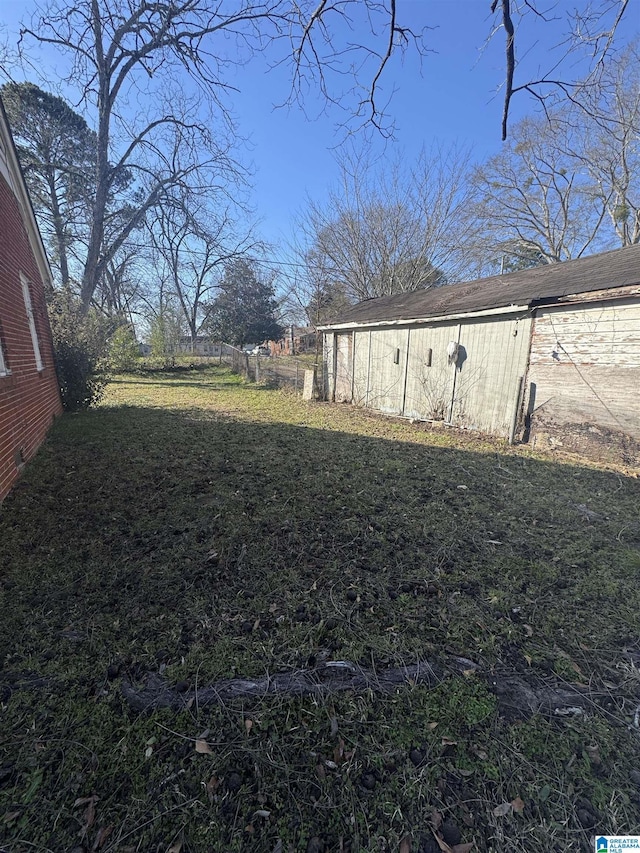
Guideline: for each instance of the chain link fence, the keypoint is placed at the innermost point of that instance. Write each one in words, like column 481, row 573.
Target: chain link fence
column 273, row 371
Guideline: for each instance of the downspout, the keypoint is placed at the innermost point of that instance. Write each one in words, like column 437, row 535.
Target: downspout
column 516, row 411
column 455, row 378
column 525, row 380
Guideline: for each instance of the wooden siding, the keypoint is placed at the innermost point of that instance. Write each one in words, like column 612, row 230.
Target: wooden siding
column 585, row 369
column 429, row 385
column 406, row 371
column 361, row 368
column 494, row 358
column 327, row 357
column 387, row 363
column 344, row 358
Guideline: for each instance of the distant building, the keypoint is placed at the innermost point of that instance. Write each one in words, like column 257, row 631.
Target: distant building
column 29, row 390
column 201, row 346
column 296, row 340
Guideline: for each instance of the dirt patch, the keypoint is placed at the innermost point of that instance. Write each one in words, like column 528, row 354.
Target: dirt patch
column 592, row 442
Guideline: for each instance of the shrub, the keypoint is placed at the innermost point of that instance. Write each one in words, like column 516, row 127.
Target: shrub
column 124, row 354
column 79, row 344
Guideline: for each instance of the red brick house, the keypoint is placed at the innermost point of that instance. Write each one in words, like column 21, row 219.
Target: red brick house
column 295, row 341
column 29, row 392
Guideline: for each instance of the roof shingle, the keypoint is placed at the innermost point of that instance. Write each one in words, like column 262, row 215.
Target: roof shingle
column 618, row 268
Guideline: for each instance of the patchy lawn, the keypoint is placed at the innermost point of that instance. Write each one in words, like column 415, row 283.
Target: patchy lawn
column 195, row 529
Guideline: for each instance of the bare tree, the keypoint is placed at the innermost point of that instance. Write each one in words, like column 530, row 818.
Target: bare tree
column 606, row 122
column 589, row 38
column 125, row 52
column 568, row 183
column 536, row 197
column 193, row 246
column 389, row 230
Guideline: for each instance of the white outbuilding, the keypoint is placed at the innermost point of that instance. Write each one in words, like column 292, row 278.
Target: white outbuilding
column 550, row 354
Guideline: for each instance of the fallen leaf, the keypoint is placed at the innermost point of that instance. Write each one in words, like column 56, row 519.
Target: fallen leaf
column 249, row 828
column 405, row 845
column 447, row 741
column 203, row 747
column 273, row 608
column 528, row 630
column 482, row 755
column 528, row 658
column 101, row 836
column 322, row 773
column 90, row 814
column 442, row 844
column 436, row 819
column 432, row 726
column 11, row 816
column 517, row 805
column 465, row 773
column 544, row 793
column 502, row 809
column 212, row 787
column 261, row 813
column 462, row 848
column 176, row 847
column 248, row 724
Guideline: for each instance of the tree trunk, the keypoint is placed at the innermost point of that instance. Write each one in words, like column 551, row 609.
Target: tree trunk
column 92, row 265
column 58, row 227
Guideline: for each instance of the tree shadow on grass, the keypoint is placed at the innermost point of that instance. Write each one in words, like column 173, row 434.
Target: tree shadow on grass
column 143, row 540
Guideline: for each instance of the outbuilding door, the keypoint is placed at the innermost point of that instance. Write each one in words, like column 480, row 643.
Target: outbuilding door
column 344, row 359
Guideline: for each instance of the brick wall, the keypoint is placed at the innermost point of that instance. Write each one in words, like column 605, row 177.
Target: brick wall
column 29, row 398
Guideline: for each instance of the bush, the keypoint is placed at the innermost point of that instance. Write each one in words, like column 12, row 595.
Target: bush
column 79, row 344
column 124, row 354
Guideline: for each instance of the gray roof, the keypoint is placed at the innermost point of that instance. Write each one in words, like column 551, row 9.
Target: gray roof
column 618, row 268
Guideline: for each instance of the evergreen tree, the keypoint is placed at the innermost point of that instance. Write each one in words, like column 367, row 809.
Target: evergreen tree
column 246, row 309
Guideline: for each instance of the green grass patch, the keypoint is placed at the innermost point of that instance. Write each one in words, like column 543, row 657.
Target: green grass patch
column 202, row 528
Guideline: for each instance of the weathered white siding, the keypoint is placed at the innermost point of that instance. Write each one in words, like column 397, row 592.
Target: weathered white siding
column 361, row 368
column 387, row 363
column 406, row 371
column 581, row 365
column 344, row 360
column 429, row 388
column 493, row 360
column 329, row 367
column 585, row 369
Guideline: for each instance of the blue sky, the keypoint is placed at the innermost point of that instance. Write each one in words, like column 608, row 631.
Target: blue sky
column 453, row 96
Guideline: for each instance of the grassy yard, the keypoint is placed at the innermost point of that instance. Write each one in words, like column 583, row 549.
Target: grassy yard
column 197, row 529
